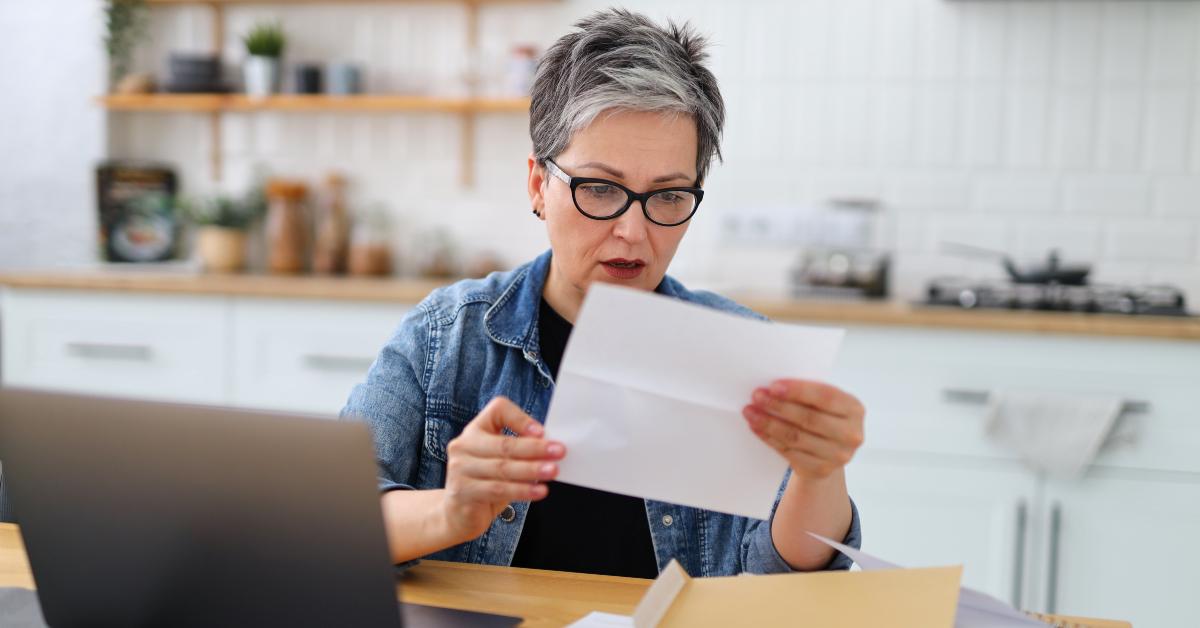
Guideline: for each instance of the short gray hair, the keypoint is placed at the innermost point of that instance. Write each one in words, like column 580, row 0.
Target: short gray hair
column 618, row 59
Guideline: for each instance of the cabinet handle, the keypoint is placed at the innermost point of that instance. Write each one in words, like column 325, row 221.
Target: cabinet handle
column 963, row 395
column 1018, row 582
column 328, row 362
column 1052, row 567
column 109, row 351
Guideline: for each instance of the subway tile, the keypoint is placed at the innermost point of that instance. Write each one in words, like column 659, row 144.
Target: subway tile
column 939, row 41
column 1019, row 193
column 1119, row 133
column 940, row 191
column 979, row 231
column 1140, row 241
column 985, row 40
column 983, row 125
column 853, row 133
column 938, row 124
column 1107, row 194
column 895, row 124
column 895, row 39
column 1123, row 38
column 1027, row 127
column 1077, row 42
column 1073, row 128
column 1177, row 195
column 1174, row 31
column 1167, row 129
column 1031, row 45
column 852, row 43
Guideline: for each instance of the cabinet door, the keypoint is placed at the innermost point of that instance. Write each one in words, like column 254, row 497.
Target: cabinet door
column 1124, row 546
column 922, row 511
column 305, row 356
column 164, row 347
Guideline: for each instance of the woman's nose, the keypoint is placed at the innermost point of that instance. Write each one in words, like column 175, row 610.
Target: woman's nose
column 632, row 224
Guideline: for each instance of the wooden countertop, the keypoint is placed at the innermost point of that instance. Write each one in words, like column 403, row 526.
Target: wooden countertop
column 817, row 311
column 543, row 598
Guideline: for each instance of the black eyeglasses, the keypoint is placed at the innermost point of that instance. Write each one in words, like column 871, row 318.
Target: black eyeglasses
column 601, row 199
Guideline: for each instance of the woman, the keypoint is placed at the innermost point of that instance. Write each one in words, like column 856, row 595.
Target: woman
column 624, row 122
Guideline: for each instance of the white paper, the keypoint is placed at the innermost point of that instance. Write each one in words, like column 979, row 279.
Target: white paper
column 596, row 619
column 976, row 609
column 650, row 393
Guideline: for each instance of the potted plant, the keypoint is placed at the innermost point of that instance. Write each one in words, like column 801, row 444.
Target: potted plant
column 222, row 224
column 126, row 24
column 265, row 44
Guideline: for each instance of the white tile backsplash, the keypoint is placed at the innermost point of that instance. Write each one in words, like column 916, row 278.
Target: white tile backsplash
column 1019, row 125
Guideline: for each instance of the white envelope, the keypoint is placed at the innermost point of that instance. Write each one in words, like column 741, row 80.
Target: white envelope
column 650, row 393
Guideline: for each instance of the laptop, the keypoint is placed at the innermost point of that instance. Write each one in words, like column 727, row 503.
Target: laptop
column 140, row 513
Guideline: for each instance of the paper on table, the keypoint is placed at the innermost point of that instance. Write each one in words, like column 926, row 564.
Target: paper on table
column 597, row 619
column 650, row 393
column 975, row 608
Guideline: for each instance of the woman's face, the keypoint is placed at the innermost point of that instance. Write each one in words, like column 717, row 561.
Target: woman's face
column 642, row 151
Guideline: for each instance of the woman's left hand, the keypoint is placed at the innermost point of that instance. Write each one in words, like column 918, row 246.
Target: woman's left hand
column 817, row 427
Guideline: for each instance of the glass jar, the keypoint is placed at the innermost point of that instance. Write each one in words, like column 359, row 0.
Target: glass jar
column 287, row 227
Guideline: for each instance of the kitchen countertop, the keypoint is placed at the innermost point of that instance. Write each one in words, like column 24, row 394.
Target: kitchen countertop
column 808, row 310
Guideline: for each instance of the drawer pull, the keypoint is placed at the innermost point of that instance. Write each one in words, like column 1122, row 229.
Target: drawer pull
column 327, row 362
column 961, row 395
column 109, row 351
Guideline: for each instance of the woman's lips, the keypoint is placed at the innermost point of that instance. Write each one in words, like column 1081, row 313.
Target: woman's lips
column 620, row 268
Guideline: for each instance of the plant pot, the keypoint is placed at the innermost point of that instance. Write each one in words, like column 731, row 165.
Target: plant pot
column 221, row 249
column 261, row 75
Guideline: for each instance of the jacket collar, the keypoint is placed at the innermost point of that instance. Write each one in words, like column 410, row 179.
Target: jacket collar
column 513, row 319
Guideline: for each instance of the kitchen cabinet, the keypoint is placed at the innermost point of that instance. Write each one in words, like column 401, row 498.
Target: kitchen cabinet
column 276, row 354
column 1123, row 544
column 933, row 489
column 116, row 344
column 918, row 512
column 304, row 356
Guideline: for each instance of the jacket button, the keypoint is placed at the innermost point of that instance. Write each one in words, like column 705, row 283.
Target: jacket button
column 668, row 520
column 508, row 514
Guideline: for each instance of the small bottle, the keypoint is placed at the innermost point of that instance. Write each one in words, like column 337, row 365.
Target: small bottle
column 333, row 234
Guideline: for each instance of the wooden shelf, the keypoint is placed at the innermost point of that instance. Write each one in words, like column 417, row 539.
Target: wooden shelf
column 311, row 102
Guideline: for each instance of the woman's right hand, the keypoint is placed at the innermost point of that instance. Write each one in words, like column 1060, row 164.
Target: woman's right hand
column 486, row 469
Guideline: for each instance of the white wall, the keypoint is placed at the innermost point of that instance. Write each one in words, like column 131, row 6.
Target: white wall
column 51, row 135
column 1019, row 125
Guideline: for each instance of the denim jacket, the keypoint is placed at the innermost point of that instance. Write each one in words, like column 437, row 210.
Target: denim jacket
column 471, row 341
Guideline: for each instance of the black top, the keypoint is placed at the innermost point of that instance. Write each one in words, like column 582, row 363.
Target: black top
column 582, row 529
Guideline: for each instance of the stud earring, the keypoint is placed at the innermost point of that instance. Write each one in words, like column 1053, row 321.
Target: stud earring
column 537, row 213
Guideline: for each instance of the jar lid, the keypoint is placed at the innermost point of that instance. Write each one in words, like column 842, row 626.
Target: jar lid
column 286, row 189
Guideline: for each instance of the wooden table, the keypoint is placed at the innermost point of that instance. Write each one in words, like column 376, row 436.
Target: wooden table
column 543, row 598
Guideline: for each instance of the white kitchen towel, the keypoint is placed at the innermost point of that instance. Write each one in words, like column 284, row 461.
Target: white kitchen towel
column 1058, row 433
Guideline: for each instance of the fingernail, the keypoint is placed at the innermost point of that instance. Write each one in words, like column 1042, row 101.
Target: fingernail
column 535, row 429
column 760, row 395
column 546, row 470
column 778, row 389
column 554, row 449
column 537, row 490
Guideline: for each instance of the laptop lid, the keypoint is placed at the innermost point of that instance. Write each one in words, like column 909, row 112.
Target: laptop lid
column 140, row 513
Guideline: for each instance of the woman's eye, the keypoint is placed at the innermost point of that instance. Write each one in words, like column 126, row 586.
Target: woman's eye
column 600, row 190
column 669, row 197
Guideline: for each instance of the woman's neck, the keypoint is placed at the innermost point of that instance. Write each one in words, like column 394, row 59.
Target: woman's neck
column 561, row 295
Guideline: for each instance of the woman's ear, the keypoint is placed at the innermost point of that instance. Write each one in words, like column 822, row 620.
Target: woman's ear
column 537, row 183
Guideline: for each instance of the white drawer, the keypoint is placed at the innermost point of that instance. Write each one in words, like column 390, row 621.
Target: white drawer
column 306, row 356
column 119, row 344
column 902, row 375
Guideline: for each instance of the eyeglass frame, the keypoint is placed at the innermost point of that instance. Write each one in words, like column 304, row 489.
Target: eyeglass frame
column 630, row 195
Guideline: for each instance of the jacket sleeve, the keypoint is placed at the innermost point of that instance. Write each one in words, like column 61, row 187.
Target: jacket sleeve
column 392, row 403
column 759, row 554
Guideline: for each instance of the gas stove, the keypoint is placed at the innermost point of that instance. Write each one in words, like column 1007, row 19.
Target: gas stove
column 1155, row 300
